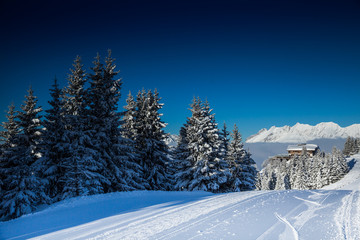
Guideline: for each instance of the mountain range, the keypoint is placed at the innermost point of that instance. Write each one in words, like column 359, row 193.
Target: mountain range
column 300, row 133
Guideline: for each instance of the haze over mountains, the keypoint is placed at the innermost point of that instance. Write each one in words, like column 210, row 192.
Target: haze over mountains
column 304, row 133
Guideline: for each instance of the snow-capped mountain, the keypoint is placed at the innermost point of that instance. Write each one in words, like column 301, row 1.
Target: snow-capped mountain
column 304, row 132
column 171, row 140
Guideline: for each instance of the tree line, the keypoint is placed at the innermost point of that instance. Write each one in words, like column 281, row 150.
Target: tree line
column 351, row 146
column 303, row 171
column 83, row 145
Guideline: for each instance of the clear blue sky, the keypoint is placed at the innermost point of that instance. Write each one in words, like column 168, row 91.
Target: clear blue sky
column 259, row 63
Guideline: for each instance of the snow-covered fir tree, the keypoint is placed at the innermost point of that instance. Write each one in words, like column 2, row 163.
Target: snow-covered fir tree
column 208, row 170
column 129, row 119
column 337, row 165
column 241, row 165
column 115, row 153
column 83, row 171
column 149, row 138
column 351, row 146
column 302, row 176
column 10, row 130
column 23, row 186
column 181, row 162
column 224, row 139
column 53, row 152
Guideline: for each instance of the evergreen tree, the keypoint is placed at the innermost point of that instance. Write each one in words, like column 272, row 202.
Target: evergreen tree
column 283, row 179
column 10, row 130
column 183, row 160
column 348, row 146
column 115, row 152
column 301, row 174
column 81, row 163
column 150, row 143
column 51, row 162
column 23, row 187
column 208, row 171
column 235, row 158
column 337, row 166
column 242, row 166
column 129, row 119
column 224, row 139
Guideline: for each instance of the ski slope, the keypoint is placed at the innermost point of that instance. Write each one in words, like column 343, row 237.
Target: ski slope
column 329, row 213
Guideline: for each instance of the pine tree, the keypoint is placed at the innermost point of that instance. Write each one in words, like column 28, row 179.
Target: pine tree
column 348, row 146
column 115, row 152
column 208, row 172
column 224, row 139
column 241, row 164
column 81, row 163
column 24, row 189
column 302, row 175
column 150, row 143
column 183, row 159
column 234, row 157
column 337, row 165
column 129, row 120
column 282, row 179
column 53, row 142
column 10, row 130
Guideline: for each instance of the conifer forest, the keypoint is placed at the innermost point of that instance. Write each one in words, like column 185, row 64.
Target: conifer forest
column 85, row 144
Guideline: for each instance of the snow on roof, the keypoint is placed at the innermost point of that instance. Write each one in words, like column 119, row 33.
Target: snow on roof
column 299, row 147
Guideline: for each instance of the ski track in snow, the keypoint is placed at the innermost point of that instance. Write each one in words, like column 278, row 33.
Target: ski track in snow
column 150, row 224
column 309, row 201
column 296, row 234
column 346, row 219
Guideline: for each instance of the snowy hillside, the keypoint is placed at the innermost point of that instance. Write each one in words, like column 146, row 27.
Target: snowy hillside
column 330, row 213
column 304, row 133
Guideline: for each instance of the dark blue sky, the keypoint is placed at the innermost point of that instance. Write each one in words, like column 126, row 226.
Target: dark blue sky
column 259, row 63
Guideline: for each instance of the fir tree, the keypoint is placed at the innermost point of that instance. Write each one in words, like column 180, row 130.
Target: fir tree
column 337, row 166
column 53, row 142
column 150, row 143
column 235, row 158
column 10, row 130
column 183, row 159
column 241, row 164
column 115, row 152
column 24, row 188
column 348, row 146
column 224, row 138
column 129, row 119
column 302, row 174
column 208, row 171
column 81, row 163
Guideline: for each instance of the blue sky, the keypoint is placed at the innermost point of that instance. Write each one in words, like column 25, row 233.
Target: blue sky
column 259, row 63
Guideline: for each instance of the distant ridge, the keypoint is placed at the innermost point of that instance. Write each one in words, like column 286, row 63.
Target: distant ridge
column 304, row 132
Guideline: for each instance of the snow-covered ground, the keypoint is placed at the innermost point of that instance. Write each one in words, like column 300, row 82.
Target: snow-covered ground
column 329, row 213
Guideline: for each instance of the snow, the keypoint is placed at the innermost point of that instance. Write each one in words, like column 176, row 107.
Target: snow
column 299, row 147
column 303, row 133
column 329, row 213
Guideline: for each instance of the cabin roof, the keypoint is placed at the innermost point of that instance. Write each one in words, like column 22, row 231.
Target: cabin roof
column 299, row 147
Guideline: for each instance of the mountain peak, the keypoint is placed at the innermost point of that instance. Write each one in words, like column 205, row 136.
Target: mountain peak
column 304, row 132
